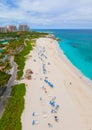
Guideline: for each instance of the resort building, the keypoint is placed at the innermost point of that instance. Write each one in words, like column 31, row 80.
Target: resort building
column 12, row 28
column 3, row 29
column 23, row 28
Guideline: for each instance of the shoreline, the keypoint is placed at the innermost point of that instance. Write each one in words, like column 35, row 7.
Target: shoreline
column 85, row 78
column 73, row 95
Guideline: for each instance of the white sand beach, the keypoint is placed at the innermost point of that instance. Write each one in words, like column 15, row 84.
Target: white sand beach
column 57, row 97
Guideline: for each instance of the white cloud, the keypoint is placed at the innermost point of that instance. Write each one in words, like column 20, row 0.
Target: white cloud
column 47, row 13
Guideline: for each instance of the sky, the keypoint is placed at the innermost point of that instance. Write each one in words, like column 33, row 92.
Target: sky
column 60, row 14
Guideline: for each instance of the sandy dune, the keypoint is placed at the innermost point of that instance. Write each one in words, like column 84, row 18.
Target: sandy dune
column 57, row 97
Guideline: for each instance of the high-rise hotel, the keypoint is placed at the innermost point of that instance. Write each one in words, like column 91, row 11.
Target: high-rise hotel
column 23, row 27
column 3, row 29
column 13, row 28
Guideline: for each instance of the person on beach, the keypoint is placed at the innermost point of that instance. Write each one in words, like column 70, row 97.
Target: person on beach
column 49, row 124
column 70, row 83
column 40, row 98
column 45, row 90
column 56, row 118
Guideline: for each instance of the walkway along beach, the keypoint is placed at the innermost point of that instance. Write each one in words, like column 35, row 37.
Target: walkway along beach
column 57, row 96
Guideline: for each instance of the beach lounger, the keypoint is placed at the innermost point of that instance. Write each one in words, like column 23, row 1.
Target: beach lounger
column 53, row 111
column 45, row 81
column 57, row 107
column 33, row 114
column 49, row 83
column 33, row 122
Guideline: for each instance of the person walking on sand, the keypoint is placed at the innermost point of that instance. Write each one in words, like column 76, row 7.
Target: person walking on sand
column 45, row 90
column 56, row 118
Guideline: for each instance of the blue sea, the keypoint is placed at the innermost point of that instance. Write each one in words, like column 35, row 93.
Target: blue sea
column 77, row 46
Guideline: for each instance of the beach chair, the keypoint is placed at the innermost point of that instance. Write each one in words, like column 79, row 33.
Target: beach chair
column 33, row 114
column 57, row 107
column 53, row 111
column 51, row 85
column 45, row 81
column 33, row 122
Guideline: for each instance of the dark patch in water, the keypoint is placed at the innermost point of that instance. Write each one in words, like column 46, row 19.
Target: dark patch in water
column 75, row 45
column 88, row 59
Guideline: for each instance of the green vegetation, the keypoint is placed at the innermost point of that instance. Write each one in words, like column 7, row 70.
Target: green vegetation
column 20, row 58
column 12, row 114
column 5, row 66
column 21, row 50
column 2, row 45
column 3, row 80
column 19, row 34
column 19, row 45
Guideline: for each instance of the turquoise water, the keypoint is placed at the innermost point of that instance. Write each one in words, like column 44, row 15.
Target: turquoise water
column 77, row 46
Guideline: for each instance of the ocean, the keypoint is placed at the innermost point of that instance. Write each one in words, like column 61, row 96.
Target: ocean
column 77, row 46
